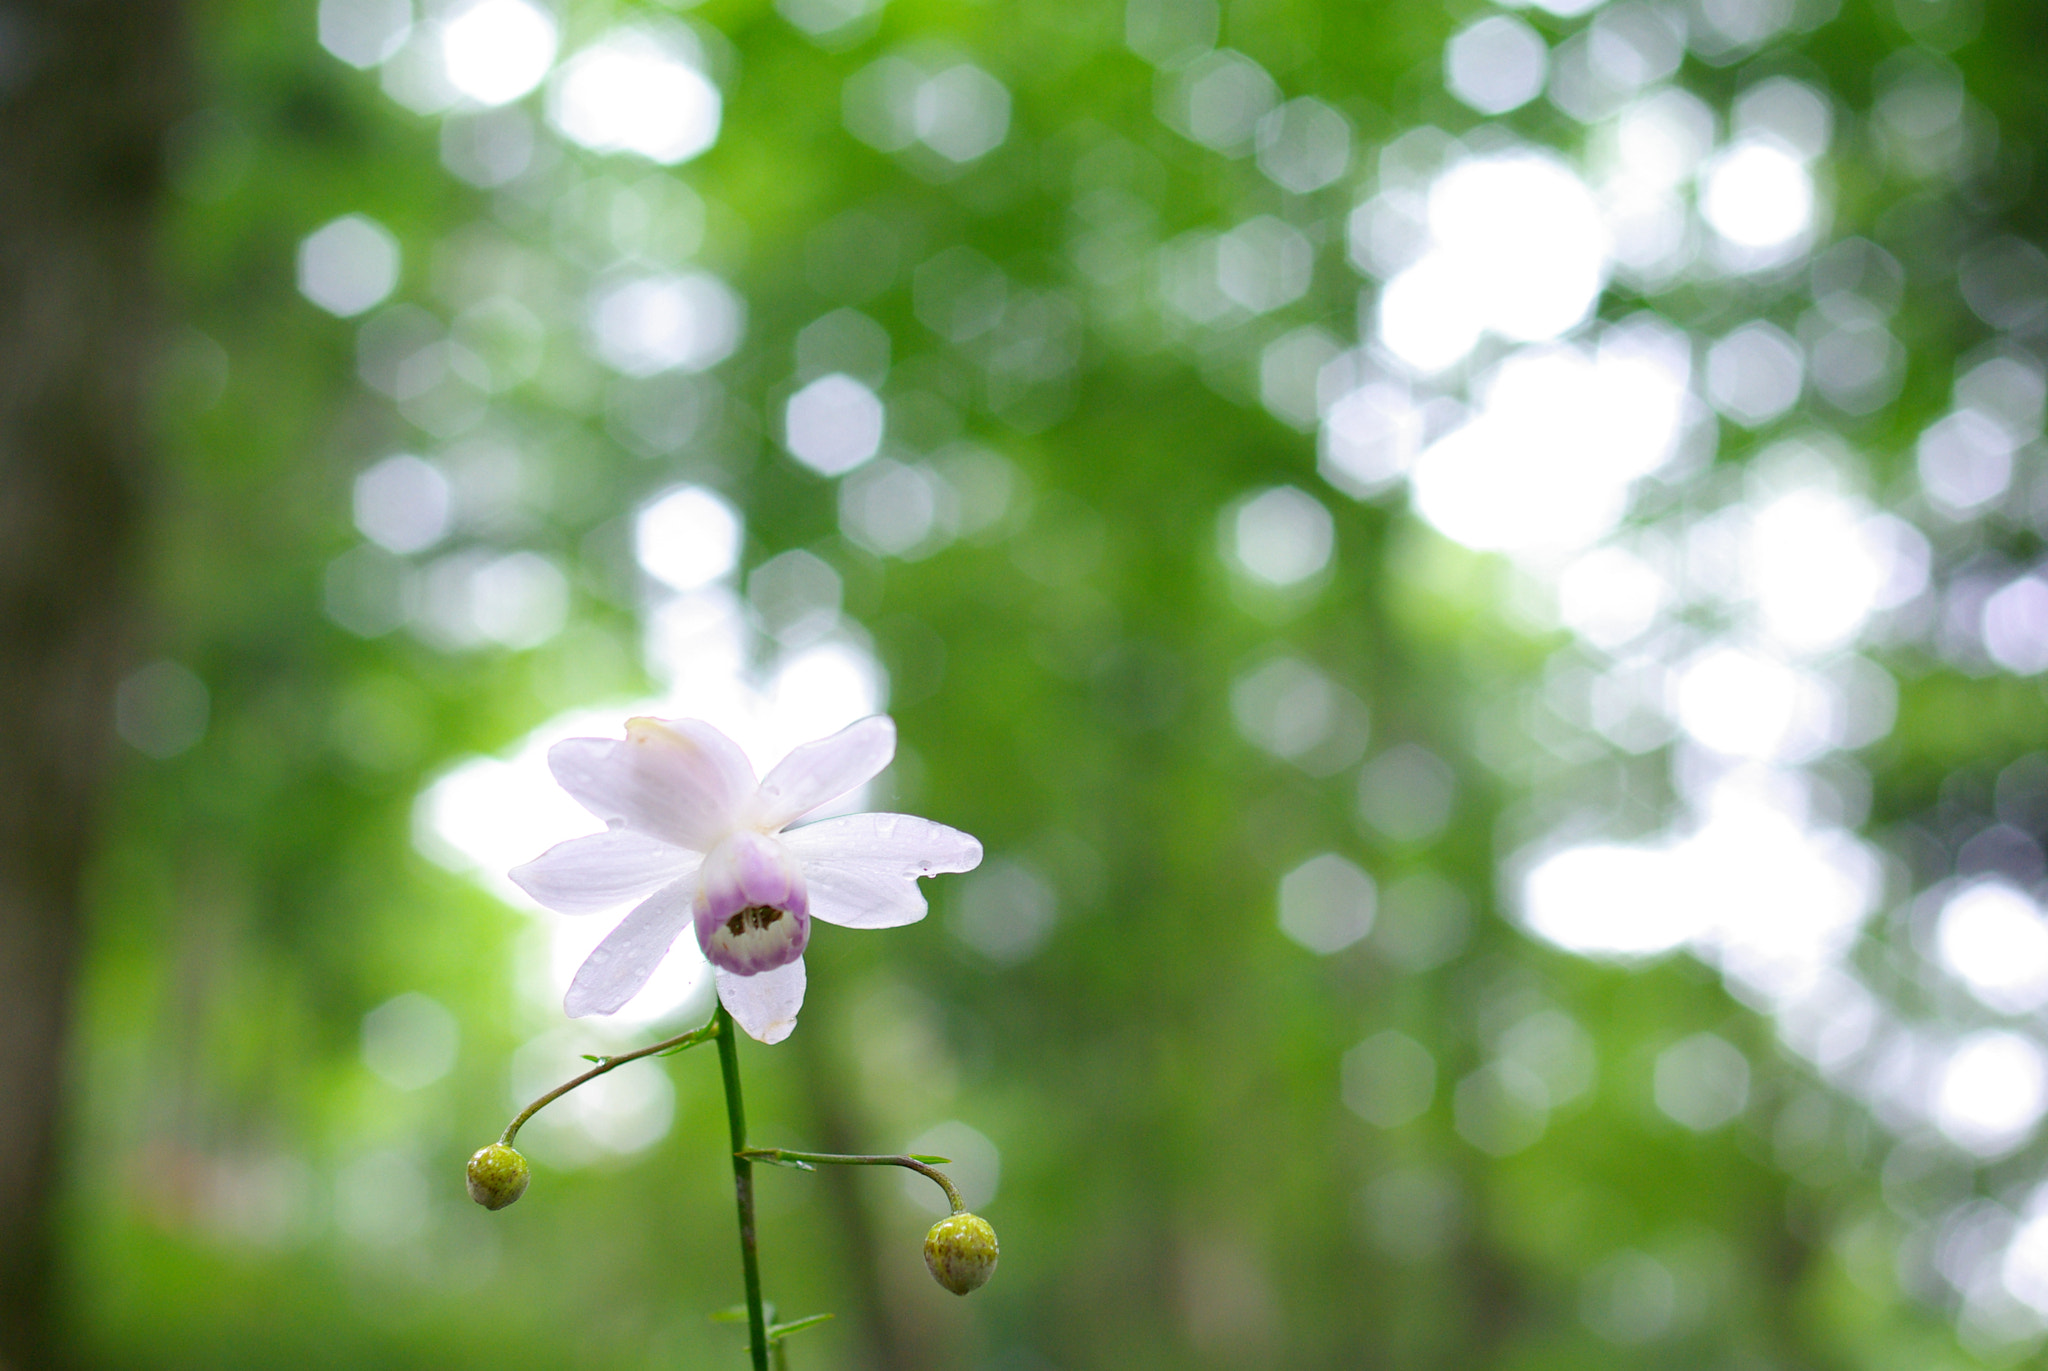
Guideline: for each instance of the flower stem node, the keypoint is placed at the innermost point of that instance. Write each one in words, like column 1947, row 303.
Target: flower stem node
column 961, row 1252
column 497, row 1176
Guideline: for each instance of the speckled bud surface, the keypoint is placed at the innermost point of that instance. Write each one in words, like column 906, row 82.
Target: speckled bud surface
column 497, row 1176
column 961, row 1252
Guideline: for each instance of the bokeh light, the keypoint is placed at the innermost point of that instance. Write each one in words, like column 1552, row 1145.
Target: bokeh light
column 1389, row 1079
column 641, row 325
column 349, row 265
column 833, row 424
column 687, row 538
column 637, row 91
column 403, row 504
column 1517, row 248
column 1326, row 903
column 494, row 51
column 1496, row 65
column 364, row 33
column 1281, row 536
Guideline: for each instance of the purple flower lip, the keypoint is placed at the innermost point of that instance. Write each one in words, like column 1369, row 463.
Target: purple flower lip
column 755, row 939
column 753, row 914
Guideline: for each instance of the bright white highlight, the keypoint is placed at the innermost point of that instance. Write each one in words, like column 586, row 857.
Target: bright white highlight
column 1496, row 65
column 649, row 324
column 495, row 51
column 403, row 504
column 2024, row 1270
column 2015, row 625
column 833, row 424
column 1548, row 461
column 1518, row 248
column 1745, row 704
column 1819, row 564
column 1758, row 195
column 1370, row 438
column 1773, row 902
column 687, row 538
column 1965, row 460
column 1281, row 537
column 1610, row 597
column 1992, row 1092
column 1790, row 111
column 347, row 266
column 1646, row 156
column 1607, row 901
column 1994, row 939
column 1755, row 374
column 632, row 91
column 1661, row 139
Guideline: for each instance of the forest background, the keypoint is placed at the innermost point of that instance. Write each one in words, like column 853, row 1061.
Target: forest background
column 1477, row 569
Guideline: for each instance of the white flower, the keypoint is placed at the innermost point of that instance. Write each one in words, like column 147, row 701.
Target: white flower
column 696, row 842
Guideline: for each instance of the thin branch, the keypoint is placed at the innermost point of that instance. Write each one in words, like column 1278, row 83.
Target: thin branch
column 678, row 1043
column 782, row 1156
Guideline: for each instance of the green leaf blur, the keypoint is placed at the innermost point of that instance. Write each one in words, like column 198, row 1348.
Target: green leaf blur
column 1218, row 1145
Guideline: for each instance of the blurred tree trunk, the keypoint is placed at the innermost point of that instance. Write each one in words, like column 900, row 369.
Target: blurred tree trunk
column 88, row 89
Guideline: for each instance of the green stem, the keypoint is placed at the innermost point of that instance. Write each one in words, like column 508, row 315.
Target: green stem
column 675, row 1044
column 742, row 1185
column 782, row 1156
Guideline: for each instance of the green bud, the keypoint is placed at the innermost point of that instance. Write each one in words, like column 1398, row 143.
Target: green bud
column 497, row 1176
column 961, row 1252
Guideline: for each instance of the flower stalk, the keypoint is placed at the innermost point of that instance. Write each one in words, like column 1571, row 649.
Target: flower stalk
column 681, row 1042
column 742, row 1186
column 805, row 1161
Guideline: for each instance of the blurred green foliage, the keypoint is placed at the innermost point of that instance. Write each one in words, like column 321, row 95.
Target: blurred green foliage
column 1182, row 1183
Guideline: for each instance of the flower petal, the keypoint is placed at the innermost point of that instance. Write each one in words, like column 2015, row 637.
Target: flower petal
column 765, row 1005
column 680, row 780
column 616, row 969
column 824, row 770
column 602, row 871
column 861, row 870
